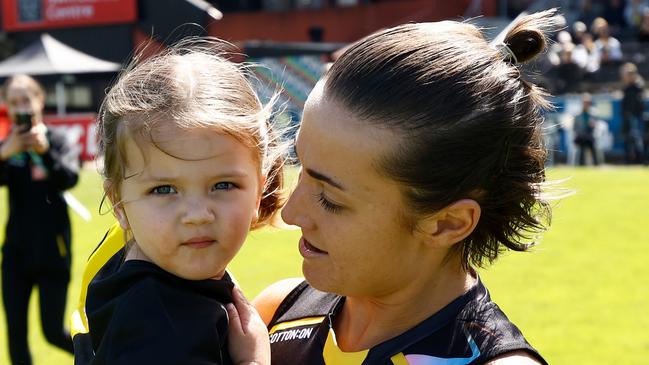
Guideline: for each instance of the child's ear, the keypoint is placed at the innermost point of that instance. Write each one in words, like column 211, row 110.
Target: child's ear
column 121, row 217
column 118, row 210
column 451, row 224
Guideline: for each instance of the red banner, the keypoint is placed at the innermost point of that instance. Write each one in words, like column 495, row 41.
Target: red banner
column 81, row 129
column 18, row 15
column 5, row 124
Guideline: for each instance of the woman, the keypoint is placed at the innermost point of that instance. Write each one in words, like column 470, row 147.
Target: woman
column 422, row 158
column 37, row 164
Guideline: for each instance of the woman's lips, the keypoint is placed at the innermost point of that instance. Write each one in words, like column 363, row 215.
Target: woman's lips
column 307, row 250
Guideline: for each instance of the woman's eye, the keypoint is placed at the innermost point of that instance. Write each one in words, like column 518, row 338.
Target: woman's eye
column 328, row 205
column 163, row 190
column 224, row 186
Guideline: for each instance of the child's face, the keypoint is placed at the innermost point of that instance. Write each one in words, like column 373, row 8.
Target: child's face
column 190, row 215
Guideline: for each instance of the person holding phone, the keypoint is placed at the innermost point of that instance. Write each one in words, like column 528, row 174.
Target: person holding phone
column 36, row 164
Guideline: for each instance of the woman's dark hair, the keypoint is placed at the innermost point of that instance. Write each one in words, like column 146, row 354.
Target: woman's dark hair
column 468, row 125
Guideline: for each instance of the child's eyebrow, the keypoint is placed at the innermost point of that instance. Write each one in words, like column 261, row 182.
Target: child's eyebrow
column 230, row 174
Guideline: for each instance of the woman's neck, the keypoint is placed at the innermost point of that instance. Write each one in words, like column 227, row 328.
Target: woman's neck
column 366, row 322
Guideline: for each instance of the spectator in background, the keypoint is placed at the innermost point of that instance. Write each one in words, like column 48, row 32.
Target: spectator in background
column 614, row 15
column 634, row 12
column 586, row 55
column 632, row 112
column 609, row 48
column 562, row 38
column 586, row 13
column 584, row 127
column 568, row 73
column 643, row 30
column 37, row 165
column 578, row 31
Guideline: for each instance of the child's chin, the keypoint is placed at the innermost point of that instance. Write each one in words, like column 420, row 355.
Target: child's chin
column 212, row 275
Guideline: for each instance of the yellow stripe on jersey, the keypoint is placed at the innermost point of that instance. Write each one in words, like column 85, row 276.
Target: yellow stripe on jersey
column 333, row 355
column 113, row 242
column 296, row 323
column 399, row 359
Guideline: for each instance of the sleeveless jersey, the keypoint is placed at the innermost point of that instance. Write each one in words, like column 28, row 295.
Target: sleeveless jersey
column 469, row 330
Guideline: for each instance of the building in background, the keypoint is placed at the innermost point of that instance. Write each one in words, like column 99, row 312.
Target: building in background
column 290, row 39
column 113, row 30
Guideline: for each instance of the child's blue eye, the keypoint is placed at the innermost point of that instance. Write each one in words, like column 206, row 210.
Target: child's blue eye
column 224, row 186
column 163, row 190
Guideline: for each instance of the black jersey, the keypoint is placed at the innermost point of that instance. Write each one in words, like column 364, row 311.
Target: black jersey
column 137, row 313
column 469, row 330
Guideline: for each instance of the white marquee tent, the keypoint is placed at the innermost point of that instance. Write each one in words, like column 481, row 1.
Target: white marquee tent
column 48, row 56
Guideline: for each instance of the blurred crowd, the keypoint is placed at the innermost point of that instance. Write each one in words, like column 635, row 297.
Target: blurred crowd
column 603, row 49
column 597, row 39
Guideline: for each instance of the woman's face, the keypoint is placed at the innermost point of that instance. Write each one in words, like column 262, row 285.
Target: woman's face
column 21, row 99
column 354, row 238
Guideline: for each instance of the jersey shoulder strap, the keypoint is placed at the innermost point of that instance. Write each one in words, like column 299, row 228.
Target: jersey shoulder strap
column 304, row 301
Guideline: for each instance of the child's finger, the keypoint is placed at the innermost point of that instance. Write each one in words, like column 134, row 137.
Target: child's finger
column 235, row 320
column 242, row 306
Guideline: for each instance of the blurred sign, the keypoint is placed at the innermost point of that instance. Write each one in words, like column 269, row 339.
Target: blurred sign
column 18, row 15
column 80, row 129
column 5, row 124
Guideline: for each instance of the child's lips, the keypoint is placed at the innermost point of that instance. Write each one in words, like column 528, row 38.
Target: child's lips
column 199, row 242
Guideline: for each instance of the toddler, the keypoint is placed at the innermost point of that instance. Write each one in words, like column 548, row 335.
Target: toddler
column 190, row 167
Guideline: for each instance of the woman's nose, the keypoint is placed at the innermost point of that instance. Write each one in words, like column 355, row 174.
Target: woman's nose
column 295, row 212
column 197, row 212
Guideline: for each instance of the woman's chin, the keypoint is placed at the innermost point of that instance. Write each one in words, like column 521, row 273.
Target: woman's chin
column 322, row 280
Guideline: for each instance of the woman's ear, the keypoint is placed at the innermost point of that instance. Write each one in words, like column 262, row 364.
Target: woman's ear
column 118, row 209
column 451, row 224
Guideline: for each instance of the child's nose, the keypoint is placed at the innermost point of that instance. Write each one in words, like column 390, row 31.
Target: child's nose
column 198, row 213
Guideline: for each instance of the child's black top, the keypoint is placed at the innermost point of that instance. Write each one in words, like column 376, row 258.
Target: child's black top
column 141, row 314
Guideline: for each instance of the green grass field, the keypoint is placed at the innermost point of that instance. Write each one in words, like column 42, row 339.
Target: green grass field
column 581, row 296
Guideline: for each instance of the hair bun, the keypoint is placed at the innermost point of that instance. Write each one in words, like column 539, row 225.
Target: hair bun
column 526, row 44
column 525, row 37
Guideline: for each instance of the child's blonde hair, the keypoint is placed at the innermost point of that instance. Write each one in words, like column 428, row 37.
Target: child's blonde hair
column 194, row 86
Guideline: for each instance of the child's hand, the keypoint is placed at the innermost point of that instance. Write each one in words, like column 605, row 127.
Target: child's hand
column 248, row 337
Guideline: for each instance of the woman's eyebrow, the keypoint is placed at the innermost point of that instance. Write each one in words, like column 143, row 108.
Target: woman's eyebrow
column 318, row 175
column 324, row 178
